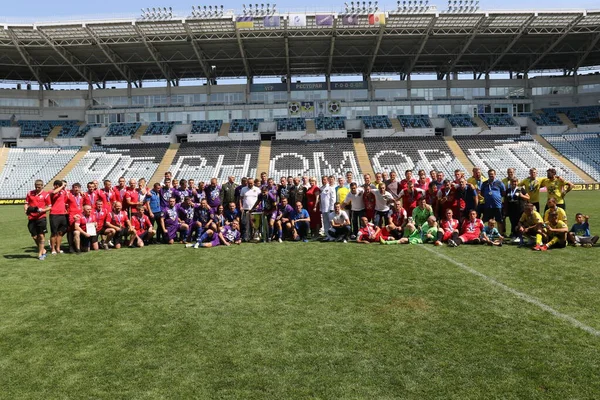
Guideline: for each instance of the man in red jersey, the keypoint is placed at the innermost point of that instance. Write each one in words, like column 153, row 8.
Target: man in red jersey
column 397, row 220
column 408, row 177
column 448, row 229
column 37, row 203
column 131, row 201
column 445, row 198
column 119, row 222
column 75, row 208
column 85, row 234
column 109, row 195
column 143, row 228
column 59, row 221
column 122, row 188
column 470, row 231
column 410, row 197
column 90, row 197
column 100, row 214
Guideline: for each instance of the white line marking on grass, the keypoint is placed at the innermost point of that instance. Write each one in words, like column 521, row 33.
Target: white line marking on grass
column 521, row 295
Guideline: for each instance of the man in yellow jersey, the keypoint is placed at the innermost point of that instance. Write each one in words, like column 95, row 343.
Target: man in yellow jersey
column 556, row 187
column 552, row 207
column 555, row 234
column 476, row 181
column 531, row 224
column 510, row 174
column 531, row 185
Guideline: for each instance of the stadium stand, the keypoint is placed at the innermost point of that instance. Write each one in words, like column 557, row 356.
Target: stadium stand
column 492, row 120
column 4, row 123
column 41, row 129
column 123, row 128
column 325, row 157
column 205, row 160
column 160, row 128
column 415, row 153
column 519, row 152
column 244, row 125
column 582, row 149
column 459, row 120
column 578, row 115
column 111, row 162
column 543, row 118
column 209, row 126
column 291, row 124
column 376, row 122
column 330, row 123
column 414, row 121
column 25, row 165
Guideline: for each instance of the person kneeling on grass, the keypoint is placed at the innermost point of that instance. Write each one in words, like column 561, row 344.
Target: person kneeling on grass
column 144, row 232
column 368, row 233
column 579, row 235
column 530, row 224
column 490, row 234
column 84, row 240
column 427, row 234
column 555, row 233
column 470, row 231
column 226, row 236
column 340, row 225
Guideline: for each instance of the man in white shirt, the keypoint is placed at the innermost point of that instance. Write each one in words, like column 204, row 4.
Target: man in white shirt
column 357, row 207
column 326, row 202
column 248, row 197
column 383, row 198
column 340, row 225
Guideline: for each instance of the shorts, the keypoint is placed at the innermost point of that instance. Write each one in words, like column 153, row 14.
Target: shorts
column 37, row 226
column 467, row 237
column 120, row 236
column 58, row 223
column 489, row 213
column 143, row 236
column 87, row 241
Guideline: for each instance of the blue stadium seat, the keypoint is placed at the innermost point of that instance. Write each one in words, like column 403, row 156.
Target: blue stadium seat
column 330, row 123
column 578, row 115
column 414, row 121
column 123, row 128
column 291, row 124
column 244, row 125
column 161, row 128
column 376, row 122
column 499, row 120
column 582, row 149
column 459, row 120
column 209, row 126
column 42, row 128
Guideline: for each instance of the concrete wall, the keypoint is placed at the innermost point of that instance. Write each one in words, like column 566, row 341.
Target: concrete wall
column 289, row 135
column 202, row 137
column 379, row 132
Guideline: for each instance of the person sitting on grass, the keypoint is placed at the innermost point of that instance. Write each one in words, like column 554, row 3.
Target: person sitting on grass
column 429, row 230
column 448, row 228
column 368, row 233
column 299, row 223
column 530, row 224
column 411, row 235
column 490, row 234
column 340, row 228
column 470, row 231
column 555, row 233
column 579, row 235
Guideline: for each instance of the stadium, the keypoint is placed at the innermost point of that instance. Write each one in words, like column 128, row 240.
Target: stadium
column 217, row 93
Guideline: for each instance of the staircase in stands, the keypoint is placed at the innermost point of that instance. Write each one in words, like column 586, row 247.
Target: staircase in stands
column 363, row 158
column 264, row 157
column 397, row 125
column 459, row 154
column 165, row 164
column 480, row 123
column 3, row 157
column 585, row 178
column 141, row 130
column 53, row 133
column 311, row 128
column 565, row 120
column 70, row 165
column 224, row 131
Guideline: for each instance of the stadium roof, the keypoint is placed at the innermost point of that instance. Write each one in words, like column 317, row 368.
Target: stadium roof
column 136, row 50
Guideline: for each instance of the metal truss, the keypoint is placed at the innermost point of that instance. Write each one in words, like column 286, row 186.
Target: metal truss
column 198, row 52
column 113, row 57
column 555, row 42
column 591, row 46
column 287, row 50
column 421, row 45
column 515, row 39
column 332, row 47
column 243, row 54
column 84, row 72
column 466, row 45
column 375, row 50
column 35, row 70
column 158, row 59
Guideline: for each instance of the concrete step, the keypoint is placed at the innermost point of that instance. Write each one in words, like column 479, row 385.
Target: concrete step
column 3, row 157
column 362, row 157
column 264, row 157
column 165, row 164
column 565, row 120
column 396, row 125
column 311, row 128
column 585, row 178
column 481, row 124
column 459, row 154
column 53, row 133
column 70, row 165
column 224, row 131
column 141, row 130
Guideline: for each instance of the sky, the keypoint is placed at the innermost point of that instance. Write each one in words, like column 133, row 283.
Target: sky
column 38, row 10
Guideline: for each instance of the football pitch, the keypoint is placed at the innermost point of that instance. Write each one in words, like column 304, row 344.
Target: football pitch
column 295, row 321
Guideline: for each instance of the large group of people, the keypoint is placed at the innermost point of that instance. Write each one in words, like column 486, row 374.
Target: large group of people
column 426, row 208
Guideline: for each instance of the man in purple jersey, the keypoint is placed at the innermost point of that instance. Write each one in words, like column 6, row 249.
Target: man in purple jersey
column 232, row 214
column 213, row 192
column 167, row 192
column 170, row 222
column 282, row 220
column 203, row 218
column 267, row 205
column 184, row 190
column 230, row 234
column 185, row 212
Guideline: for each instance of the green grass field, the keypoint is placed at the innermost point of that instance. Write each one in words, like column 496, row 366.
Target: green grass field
column 294, row 320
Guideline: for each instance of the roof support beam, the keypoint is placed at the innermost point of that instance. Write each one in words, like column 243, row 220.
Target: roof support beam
column 585, row 55
column 86, row 74
column 162, row 65
column 199, row 53
column 113, row 57
column 555, row 42
column 421, row 45
column 331, row 47
column 376, row 50
column 35, row 70
column 243, row 54
column 466, row 44
column 522, row 29
column 287, row 49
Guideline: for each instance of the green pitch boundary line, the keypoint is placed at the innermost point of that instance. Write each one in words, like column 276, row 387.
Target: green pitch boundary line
column 523, row 296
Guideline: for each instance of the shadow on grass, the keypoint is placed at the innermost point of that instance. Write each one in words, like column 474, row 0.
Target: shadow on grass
column 18, row 256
